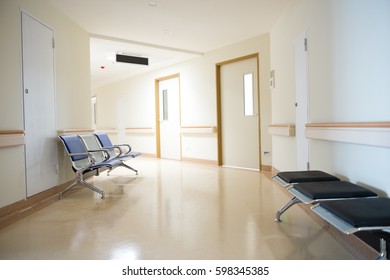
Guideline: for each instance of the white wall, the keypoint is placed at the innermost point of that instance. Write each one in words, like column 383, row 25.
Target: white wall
column 198, row 100
column 349, row 66
column 72, row 85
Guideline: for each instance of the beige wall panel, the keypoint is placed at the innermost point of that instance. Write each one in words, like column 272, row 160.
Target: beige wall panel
column 12, row 187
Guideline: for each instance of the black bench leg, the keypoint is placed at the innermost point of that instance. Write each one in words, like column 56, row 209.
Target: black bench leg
column 383, row 251
column 384, row 236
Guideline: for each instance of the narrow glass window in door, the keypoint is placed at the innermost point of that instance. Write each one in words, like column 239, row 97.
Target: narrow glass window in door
column 165, row 104
column 250, row 108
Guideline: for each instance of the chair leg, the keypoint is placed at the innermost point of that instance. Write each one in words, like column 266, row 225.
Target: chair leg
column 290, row 203
column 124, row 165
column 81, row 181
column 61, row 195
column 129, row 167
column 92, row 187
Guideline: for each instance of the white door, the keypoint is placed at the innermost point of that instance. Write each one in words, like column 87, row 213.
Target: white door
column 239, row 114
column 169, row 100
column 301, row 102
column 39, row 106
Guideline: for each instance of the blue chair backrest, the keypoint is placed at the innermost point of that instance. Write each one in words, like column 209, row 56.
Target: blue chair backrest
column 73, row 145
column 104, row 139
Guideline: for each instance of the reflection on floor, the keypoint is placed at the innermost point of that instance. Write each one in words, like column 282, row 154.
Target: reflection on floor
column 171, row 210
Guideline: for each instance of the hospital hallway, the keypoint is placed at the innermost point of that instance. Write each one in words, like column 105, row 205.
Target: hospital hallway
column 171, row 210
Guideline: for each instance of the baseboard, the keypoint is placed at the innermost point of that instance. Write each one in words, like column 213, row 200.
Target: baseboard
column 12, row 213
column 197, row 160
column 274, row 170
column 266, row 168
column 148, row 155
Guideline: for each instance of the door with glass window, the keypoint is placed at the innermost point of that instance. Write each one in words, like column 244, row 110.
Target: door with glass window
column 239, row 100
column 169, row 118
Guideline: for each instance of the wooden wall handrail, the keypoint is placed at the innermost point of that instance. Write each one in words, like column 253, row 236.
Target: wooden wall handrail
column 196, row 129
column 198, row 126
column 282, row 125
column 107, row 130
column 74, row 131
column 350, row 125
column 11, row 132
column 11, row 138
column 282, row 129
column 137, row 128
column 363, row 133
column 141, row 130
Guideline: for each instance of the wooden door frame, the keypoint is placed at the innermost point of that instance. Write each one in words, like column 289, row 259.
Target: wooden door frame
column 219, row 108
column 157, row 99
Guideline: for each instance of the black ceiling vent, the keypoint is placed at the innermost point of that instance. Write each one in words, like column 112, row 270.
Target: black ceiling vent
column 132, row 59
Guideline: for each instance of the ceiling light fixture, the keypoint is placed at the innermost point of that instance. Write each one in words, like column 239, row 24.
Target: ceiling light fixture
column 168, row 32
column 153, row 4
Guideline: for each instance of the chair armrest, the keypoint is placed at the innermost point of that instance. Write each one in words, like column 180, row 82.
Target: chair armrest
column 91, row 159
column 105, row 151
column 125, row 145
column 90, row 156
column 115, row 147
column 128, row 148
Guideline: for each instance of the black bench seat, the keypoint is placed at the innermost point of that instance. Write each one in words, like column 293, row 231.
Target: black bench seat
column 350, row 216
column 287, row 178
column 314, row 192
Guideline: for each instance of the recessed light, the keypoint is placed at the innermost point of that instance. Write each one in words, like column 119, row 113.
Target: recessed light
column 153, row 4
column 168, row 32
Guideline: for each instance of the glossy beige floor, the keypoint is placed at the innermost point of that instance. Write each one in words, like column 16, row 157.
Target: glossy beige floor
column 171, row 210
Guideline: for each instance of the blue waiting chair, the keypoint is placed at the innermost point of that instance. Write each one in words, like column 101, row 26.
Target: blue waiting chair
column 121, row 152
column 84, row 161
column 92, row 144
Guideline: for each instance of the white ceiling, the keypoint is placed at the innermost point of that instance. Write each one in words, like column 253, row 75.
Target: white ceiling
column 165, row 31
